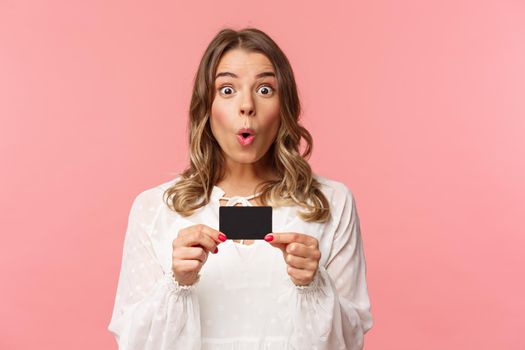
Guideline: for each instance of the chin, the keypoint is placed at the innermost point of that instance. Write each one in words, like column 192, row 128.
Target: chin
column 244, row 158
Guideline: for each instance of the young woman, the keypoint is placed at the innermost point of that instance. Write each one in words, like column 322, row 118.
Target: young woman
column 303, row 287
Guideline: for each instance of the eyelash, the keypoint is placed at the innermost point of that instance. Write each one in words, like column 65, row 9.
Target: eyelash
column 264, row 85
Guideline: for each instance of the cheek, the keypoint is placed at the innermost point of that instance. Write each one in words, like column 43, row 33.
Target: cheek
column 274, row 118
column 218, row 119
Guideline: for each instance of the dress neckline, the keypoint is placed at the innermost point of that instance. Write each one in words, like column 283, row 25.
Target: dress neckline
column 218, row 193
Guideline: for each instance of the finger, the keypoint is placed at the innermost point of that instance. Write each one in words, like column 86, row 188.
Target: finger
column 217, row 236
column 301, row 276
column 300, row 262
column 281, row 246
column 305, row 251
column 185, row 266
column 198, row 238
column 289, row 237
column 190, row 253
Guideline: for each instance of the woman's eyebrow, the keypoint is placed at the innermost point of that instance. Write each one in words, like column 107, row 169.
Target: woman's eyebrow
column 233, row 75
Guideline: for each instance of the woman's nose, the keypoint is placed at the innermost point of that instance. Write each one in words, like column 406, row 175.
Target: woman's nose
column 247, row 106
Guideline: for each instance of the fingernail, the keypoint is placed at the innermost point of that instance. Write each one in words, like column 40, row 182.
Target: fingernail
column 222, row 237
column 268, row 238
column 216, row 250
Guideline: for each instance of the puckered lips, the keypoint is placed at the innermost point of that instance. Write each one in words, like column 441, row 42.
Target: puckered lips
column 245, row 136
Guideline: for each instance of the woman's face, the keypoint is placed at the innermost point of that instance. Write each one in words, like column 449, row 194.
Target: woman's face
column 245, row 97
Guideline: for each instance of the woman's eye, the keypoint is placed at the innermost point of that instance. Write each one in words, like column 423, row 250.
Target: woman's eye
column 266, row 89
column 224, row 90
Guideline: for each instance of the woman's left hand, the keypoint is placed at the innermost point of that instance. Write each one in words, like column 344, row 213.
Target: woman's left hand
column 301, row 254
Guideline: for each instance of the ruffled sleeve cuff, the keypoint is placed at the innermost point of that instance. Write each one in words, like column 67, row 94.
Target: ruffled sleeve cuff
column 312, row 287
column 173, row 285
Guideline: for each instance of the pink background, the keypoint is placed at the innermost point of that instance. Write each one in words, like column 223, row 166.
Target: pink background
column 417, row 106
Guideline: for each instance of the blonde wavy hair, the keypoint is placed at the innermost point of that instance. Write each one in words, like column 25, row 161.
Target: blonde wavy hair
column 295, row 185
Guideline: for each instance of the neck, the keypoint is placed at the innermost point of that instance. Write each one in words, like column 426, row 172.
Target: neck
column 241, row 179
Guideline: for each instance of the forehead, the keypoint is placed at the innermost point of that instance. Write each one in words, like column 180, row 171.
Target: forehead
column 244, row 62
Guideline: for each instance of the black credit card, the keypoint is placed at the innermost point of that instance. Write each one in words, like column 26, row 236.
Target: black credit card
column 245, row 222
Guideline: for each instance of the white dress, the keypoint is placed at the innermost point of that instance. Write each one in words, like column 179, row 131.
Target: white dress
column 244, row 299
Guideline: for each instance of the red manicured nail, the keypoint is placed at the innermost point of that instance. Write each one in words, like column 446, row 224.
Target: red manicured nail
column 268, row 238
column 222, row 237
column 216, row 250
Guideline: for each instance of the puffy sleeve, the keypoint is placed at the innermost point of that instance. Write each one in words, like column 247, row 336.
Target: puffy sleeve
column 151, row 310
column 333, row 311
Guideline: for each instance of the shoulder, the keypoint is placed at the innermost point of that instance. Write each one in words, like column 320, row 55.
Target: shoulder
column 153, row 197
column 334, row 190
column 339, row 196
column 147, row 205
column 167, row 184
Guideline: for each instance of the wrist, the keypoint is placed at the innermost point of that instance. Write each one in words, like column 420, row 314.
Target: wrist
column 310, row 287
column 178, row 287
column 186, row 281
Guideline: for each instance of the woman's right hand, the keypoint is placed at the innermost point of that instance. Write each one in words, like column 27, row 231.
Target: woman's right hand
column 191, row 249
